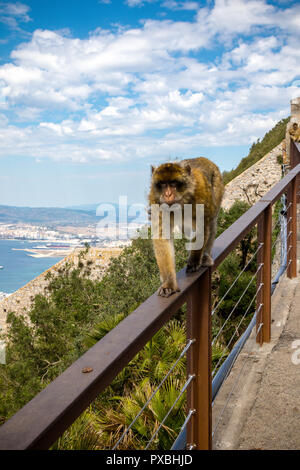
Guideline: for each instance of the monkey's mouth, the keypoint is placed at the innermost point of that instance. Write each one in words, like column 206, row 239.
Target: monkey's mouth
column 169, row 200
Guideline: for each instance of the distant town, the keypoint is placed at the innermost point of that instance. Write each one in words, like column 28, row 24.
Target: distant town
column 64, row 239
column 60, row 231
column 37, row 232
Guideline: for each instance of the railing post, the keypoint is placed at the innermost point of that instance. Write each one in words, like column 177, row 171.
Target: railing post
column 263, row 299
column 292, row 229
column 259, row 280
column 294, row 160
column 199, row 357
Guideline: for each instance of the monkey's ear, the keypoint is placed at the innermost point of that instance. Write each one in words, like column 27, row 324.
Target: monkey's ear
column 152, row 169
column 188, row 168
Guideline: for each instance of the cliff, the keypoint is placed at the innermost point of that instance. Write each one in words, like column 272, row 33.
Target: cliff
column 254, row 182
column 96, row 259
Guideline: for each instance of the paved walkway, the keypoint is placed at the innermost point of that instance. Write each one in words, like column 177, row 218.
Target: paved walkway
column 263, row 411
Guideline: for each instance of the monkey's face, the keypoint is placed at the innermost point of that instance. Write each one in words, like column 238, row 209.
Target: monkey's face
column 170, row 182
column 169, row 191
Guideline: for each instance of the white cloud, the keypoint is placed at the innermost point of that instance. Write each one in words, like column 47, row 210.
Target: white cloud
column 146, row 91
column 28, row 114
column 15, row 9
column 13, row 13
column 237, row 16
column 178, row 5
column 138, row 3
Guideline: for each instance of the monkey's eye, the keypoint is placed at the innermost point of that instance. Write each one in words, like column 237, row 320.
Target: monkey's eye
column 176, row 184
column 160, row 186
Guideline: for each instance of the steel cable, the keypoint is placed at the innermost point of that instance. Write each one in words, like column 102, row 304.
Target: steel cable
column 237, row 303
column 185, row 349
column 230, row 341
column 191, row 377
column 236, row 279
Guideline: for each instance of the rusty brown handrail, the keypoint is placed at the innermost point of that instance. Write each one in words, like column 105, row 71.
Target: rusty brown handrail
column 39, row 423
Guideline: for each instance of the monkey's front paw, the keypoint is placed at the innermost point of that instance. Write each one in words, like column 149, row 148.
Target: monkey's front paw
column 207, row 260
column 166, row 290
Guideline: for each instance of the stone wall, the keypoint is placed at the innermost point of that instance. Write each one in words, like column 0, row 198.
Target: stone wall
column 21, row 300
column 257, row 180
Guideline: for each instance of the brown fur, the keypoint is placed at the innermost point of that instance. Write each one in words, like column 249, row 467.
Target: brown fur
column 201, row 184
column 295, row 132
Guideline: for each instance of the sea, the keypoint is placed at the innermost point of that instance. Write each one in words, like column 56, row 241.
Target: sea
column 18, row 266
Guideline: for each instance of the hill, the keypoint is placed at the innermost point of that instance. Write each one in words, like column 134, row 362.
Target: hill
column 49, row 216
column 85, row 207
column 77, row 216
column 259, row 150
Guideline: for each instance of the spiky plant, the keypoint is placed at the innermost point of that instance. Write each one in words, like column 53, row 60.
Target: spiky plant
column 114, row 422
column 82, row 435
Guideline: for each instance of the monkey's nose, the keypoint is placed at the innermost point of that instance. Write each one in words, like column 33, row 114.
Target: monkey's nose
column 170, row 198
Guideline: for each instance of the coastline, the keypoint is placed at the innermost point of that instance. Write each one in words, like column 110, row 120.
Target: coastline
column 20, row 301
column 3, row 295
column 46, row 253
column 20, row 266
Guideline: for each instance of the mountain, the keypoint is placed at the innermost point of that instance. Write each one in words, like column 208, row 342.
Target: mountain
column 49, row 216
column 85, row 207
column 135, row 212
column 77, row 216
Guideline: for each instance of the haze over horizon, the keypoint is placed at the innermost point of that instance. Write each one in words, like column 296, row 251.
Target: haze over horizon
column 90, row 96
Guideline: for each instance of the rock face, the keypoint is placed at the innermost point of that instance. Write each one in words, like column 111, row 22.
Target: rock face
column 96, row 261
column 257, row 180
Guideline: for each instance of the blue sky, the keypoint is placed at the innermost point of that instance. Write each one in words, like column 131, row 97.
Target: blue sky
column 92, row 92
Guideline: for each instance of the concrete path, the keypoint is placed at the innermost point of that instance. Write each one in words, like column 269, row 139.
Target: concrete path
column 262, row 393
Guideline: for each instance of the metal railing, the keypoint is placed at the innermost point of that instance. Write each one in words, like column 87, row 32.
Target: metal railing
column 41, row 422
column 224, row 366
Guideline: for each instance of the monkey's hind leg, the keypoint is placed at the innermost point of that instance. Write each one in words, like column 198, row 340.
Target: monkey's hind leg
column 195, row 257
column 195, row 260
column 207, row 259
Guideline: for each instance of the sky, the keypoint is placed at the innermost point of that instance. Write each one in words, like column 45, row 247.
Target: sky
column 92, row 92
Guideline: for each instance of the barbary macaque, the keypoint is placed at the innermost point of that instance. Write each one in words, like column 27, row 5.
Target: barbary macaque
column 195, row 181
column 294, row 131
